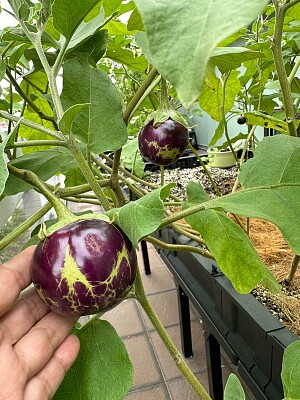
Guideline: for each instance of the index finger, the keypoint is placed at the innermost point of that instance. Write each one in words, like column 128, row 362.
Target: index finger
column 14, row 277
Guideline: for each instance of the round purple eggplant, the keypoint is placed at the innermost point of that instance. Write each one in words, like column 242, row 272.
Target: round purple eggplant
column 84, row 268
column 241, row 120
column 164, row 144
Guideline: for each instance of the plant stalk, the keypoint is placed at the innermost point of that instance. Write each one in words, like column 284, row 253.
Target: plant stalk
column 30, row 177
column 224, row 79
column 162, row 175
column 249, row 137
column 31, row 143
column 89, row 176
column 164, row 96
column 276, row 48
column 216, row 189
column 115, row 185
column 182, row 231
column 293, row 270
column 129, row 174
column 132, row 104
column 178, row 359
column 55, row 134
column 178, row 247
column 26, row 98
column 25, row 226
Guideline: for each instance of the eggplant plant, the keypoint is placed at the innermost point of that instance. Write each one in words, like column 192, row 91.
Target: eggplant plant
column 79, row 80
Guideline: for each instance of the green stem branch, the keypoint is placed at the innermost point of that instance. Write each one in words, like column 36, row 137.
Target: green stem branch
column 294, row 267
column 31, row 143
column 190, row 235
column 132, row 104
column 25, row 226
column 224, row 79
column 291, row 4
column 216, row 189
column 178, row 359
column 294, row 71
column 88, row 174
column 27, row 98
column 280, row 67
column 120, row 200
column 164, row 96
column 178, row 247
column 55, row 134
column 31, row 178
column 81, row 200
column 51, row 76
column 249, row 137
column 128, row 174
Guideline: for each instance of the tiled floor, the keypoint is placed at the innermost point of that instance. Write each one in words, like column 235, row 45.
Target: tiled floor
column 155, row 375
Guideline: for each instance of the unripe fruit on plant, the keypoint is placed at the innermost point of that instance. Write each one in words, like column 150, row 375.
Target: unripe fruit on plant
column 241, row 120
column 86, row 267
column 164, row 144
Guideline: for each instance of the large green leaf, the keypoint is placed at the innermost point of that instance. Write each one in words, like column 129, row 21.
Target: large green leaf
column 66, row 122
column 44, row 163
column 182, row 36
column 2, row 69
column 68, row 14
column 110, row 6
column 18, row 35
column 131, row 157
column 271, row 184
column 231, row 247
column 100, row 125
column 102, row 369
column 87, row 29
column 74, row 177
column 218, row 134
column 266, row 121
column 276, row 160
column 38, row 80
column 278, row 204
column 290, row 374
column 233, row 389
column 21, row 8
column 142, row 41
column 135, row 21
column 211, row 97
column 17, row 53
column 116, row 28
column 142, row 217
column 229, row 58
column 95, row 46
column 125, row 56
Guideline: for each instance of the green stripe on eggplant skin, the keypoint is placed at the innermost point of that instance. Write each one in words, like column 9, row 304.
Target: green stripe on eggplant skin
column 123, row 254
column 46, row 299
column 164, row 152
column 72, row 274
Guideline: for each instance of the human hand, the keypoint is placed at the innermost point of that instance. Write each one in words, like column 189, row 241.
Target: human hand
column 36, row 349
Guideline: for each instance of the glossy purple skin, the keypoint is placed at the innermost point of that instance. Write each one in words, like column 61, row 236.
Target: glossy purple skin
column 100, row 279
column 164, row 144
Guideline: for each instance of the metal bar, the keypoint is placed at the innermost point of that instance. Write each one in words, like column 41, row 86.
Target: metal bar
column 185, row 323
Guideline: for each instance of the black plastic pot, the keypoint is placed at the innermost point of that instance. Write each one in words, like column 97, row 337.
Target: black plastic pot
column 250, row 335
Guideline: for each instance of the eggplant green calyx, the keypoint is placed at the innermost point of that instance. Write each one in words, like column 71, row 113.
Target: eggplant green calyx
column 161, row 116
column 70, row 218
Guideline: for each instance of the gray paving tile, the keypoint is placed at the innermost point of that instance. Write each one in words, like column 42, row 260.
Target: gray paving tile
column 146, row 369
column 157, row 392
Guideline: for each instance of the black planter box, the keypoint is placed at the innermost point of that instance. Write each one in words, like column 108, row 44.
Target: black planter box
column 252, row 338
